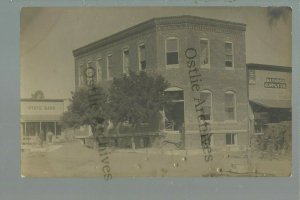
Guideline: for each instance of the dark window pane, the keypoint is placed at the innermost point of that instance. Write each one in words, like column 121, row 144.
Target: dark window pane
column 229, row 100
column 142, row 52
column 228, row 63
column 229, row 113
column 228, row 138
column 143, row 64
column 58, row 129
column 175, row 95
column 172, row 58
column 228, row 48
column 203, row 52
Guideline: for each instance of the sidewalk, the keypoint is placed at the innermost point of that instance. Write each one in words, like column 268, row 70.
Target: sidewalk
column 38, row 148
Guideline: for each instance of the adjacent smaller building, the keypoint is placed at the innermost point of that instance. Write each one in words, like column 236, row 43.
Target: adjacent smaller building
column 40, row 116
column 269, row 95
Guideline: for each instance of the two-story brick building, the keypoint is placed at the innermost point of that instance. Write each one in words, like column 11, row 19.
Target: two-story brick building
column 158, row 46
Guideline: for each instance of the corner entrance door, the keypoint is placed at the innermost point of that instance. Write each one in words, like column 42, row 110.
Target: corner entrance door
column 174, row 112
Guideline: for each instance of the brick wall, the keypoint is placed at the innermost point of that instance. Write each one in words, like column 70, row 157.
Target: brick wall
column 216, row 79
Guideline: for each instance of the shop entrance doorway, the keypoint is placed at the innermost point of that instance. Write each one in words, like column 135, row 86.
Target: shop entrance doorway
column 174, row 112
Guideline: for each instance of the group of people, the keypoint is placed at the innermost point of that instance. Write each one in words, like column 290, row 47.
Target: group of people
column 45, row 136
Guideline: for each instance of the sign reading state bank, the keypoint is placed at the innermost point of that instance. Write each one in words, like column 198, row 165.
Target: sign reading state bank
column 275, row 83
column 42, row 107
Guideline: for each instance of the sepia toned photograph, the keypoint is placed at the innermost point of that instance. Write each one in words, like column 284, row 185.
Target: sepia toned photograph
column 116, row 92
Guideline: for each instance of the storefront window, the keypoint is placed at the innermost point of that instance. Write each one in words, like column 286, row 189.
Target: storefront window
column 32, row 129
column 58, row 129
column 231, row 138
column 48, row 126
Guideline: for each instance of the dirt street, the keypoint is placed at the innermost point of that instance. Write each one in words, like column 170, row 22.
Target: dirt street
column 76, row 160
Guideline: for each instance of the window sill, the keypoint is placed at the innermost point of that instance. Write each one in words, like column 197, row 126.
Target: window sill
column 229, row 68
column 205, row 67
column 171, row 132
column 261, row 133
column 175, row 66
column 230, row 121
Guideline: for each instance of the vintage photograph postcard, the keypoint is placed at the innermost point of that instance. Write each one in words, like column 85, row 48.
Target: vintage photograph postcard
column 111, row 92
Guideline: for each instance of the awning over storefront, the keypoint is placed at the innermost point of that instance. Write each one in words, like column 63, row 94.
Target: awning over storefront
column 40, row 118
column 272, row 103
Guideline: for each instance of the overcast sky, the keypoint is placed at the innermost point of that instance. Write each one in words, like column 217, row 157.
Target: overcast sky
column 48, row 36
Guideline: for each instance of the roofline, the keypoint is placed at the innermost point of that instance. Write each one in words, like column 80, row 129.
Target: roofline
column 42, row 100
column 151, row 23
column 269, row 67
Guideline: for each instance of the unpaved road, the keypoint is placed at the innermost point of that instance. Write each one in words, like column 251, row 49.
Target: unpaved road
column 76, row 160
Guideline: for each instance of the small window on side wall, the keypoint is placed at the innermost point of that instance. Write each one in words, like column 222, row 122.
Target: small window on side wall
column 142, row 57
column 99, row 69
column 126, row 61
column 172, row 52
column 109, row 67
column 81, row 72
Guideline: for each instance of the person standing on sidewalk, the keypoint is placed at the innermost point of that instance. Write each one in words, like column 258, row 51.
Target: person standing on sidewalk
column 42, row 137
column 49, row 136
column 182, row 136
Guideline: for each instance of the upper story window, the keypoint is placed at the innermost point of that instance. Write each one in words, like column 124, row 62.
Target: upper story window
column 207, row 105
column 81, row 74
column 204, row 53
column 142, row 57
column 109, row 67
column 172, row 52
column 99, row 69
column 90, row 73
column 126, row 61
column 230, row 105
column 229, row 55
column 251, row 76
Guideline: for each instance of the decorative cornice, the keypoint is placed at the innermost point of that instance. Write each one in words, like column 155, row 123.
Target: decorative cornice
column 185, row 20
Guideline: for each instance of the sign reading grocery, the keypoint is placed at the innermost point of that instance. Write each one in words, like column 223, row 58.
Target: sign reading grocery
column 278, row 83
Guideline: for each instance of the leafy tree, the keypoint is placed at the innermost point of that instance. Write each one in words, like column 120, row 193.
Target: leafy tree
column 85, row 110
column 137, row 98
column 274, row 14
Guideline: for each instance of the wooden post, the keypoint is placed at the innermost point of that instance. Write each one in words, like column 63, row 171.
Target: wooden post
column 26, row 133
column 55, row 129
